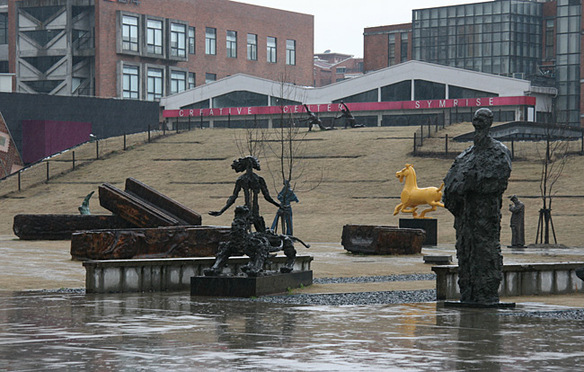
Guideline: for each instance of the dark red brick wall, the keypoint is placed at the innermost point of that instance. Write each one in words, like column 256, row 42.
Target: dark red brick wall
column 220, row 14
column 376, row 48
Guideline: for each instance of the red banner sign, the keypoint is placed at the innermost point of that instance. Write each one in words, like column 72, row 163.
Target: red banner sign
column 361, row 106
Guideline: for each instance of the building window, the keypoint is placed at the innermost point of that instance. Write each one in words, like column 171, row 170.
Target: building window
column 391, row 50
column 191, row 40
column 341, row 70
column 291, row 52
column 231, row 44
column 549, row 39
column 130, row 33
column 210, row 77
column 272, row 49
column 154, row 85
column 210, row 41
column 178, row 81
column 131, row 82
column 403, row 48
column 252, row 47
column 178, row 40
column 154, row 36
column 192, row 81
column 3, row 28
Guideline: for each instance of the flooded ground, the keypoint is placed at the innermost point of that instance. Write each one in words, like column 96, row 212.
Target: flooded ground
column 74, row 331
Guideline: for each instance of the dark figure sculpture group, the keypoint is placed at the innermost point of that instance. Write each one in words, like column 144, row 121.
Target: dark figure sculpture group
column 258, row 245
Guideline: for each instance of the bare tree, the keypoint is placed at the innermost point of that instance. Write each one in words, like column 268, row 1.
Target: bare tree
column 553, row 162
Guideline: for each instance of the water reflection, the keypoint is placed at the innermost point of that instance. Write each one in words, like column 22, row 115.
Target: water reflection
column 177, row 332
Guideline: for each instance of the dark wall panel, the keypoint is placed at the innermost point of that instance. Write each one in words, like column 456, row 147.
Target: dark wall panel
column 108, row 117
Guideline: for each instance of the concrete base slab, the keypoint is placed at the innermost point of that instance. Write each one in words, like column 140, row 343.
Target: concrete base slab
column 499, row 305
column 241, row 286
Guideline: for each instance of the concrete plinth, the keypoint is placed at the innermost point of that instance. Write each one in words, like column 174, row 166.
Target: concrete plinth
column 241, row 286
column 498, row 305
column 430, row 226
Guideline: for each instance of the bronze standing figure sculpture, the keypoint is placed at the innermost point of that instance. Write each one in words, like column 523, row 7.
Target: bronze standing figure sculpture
column 473, row 191
column 517, row 224
column 252, row 185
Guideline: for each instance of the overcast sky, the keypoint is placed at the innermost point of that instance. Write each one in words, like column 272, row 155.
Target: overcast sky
column 339, row 27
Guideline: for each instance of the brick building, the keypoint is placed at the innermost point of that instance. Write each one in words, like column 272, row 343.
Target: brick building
column 334, row 67
column 146, row 49
column 537, row 40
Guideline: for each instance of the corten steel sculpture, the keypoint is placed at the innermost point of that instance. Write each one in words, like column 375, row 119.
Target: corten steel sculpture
column 412, row 196
column 252, row 185
column 284, row 214
column 257, row 245
column 517, row 224
column 473, row 191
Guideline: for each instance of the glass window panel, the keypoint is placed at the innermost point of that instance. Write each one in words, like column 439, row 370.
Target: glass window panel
column 252, row 47
column 210, row 41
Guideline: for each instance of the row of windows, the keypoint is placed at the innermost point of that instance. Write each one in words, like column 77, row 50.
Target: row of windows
column 3, row 28
column 181, row 40
column 152, row 82
column 150, row 40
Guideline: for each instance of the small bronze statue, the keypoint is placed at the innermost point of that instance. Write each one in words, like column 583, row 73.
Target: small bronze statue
column 84, row 207
column 284, row 214
column 473, row 190
column 313, row 119
column 258, row 246
column 517, row 210
column 252, row 185
column 348, row 117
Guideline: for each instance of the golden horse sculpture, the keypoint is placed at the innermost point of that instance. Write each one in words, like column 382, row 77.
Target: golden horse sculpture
column 412, row 196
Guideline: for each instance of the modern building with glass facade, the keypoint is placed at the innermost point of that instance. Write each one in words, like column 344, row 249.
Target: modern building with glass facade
column 537, row 40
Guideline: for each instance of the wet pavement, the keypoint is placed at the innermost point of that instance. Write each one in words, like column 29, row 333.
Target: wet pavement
column 74, row 331
column 60, row 329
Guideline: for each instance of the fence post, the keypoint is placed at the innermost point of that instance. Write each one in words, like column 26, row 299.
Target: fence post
column 446, row 144
column 73, row 156
column 228, row 120
column 177, row 126
column 512, row 150
column 415, row 143
column 201, row 125
column 96, row 149
column 124, row 141
column 189, row 123
column 19, row 172
column 148, row 133
column 421, row 135
column 48, row 171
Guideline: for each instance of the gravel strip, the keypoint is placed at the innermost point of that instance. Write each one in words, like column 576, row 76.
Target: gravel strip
column 577, row 314
column 375, row 279
column 360, row 298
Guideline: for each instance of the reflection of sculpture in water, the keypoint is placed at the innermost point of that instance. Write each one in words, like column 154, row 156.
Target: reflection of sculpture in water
column 517, row 210
column 473, row 191
column 251, row 184
column 313, row 120
column 348, row 117
column 256, row 245
column 284, row 214
column 412, row 196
